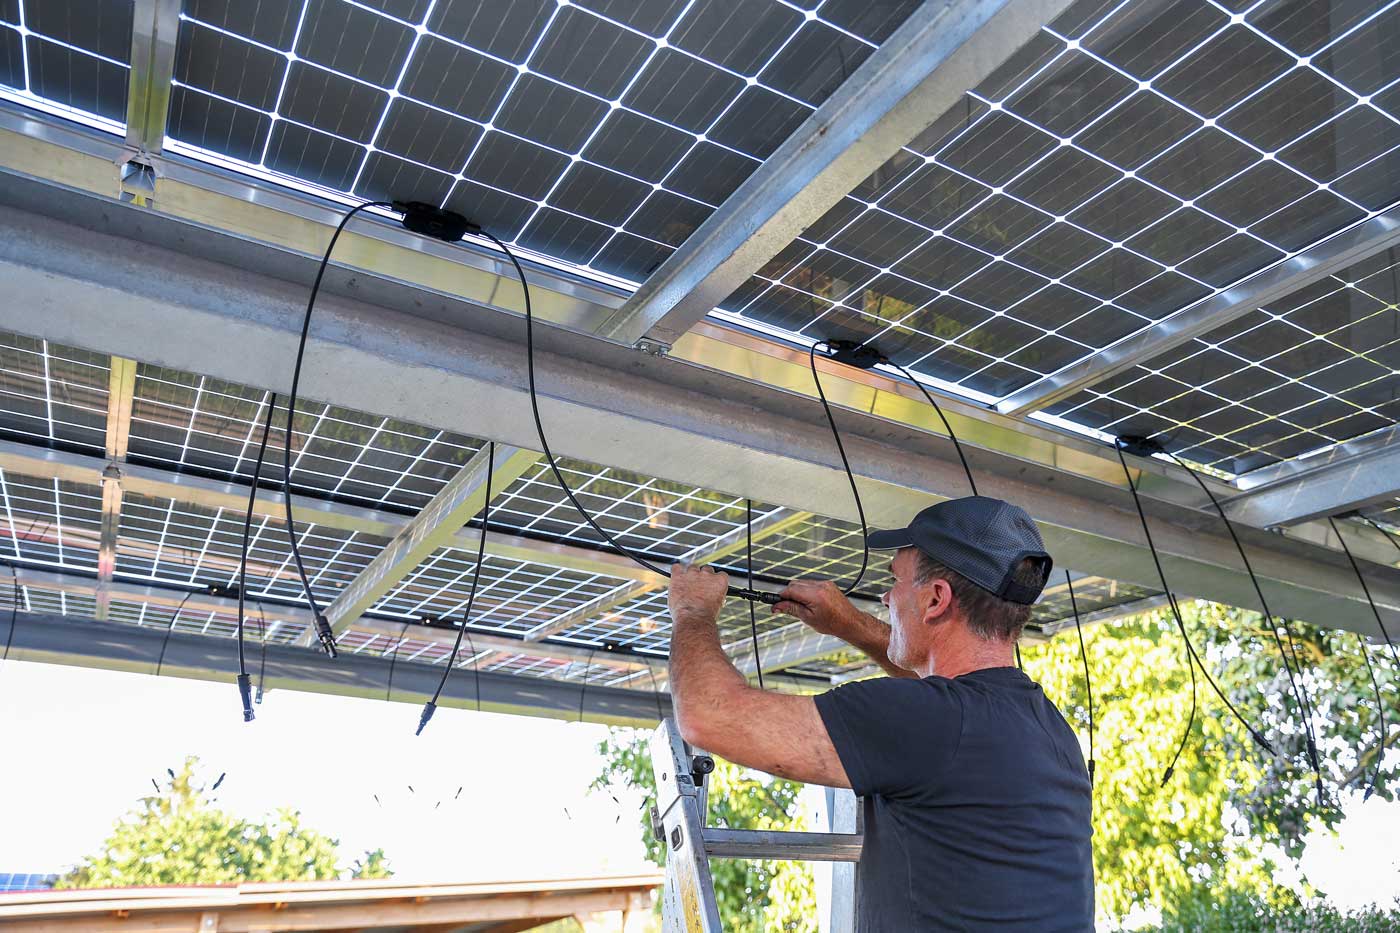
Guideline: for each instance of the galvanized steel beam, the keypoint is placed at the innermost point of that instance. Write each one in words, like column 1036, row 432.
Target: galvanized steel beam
column 943, row 49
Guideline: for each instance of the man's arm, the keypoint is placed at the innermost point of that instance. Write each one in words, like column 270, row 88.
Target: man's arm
column 822, row 605
column 716, row 708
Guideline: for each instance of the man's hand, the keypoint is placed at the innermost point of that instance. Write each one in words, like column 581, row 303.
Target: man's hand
column 822, row 606
column 697, row 592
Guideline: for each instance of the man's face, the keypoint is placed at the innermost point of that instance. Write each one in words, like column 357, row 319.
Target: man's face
column 907, row 602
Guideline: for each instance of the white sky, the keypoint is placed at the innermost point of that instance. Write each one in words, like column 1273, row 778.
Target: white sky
column 79, row 747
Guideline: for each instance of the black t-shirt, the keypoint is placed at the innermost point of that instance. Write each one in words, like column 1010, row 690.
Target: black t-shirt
column 977, row 804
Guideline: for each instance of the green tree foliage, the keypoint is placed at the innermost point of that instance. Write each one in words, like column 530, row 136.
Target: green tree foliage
column 1197, row 841
column 753, row 896
column 178, row 837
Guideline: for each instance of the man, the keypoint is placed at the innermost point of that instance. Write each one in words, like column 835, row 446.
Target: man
column 977, row 800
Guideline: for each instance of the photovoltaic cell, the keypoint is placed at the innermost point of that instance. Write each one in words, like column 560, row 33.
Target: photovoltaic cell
column 1131, row 160
column 1315, row 368
column 657, row 517
column 597, row 133
column 52, row 394
column 182, row 420
column 74, row 54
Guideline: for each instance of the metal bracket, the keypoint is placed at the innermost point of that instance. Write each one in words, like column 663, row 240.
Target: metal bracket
column 652, row 347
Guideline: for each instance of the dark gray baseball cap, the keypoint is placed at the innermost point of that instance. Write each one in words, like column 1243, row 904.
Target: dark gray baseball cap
column 982, row 538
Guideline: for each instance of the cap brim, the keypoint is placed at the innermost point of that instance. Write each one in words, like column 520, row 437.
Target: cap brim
column 889, row 540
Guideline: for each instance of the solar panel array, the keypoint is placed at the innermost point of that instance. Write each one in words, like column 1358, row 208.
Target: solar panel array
column 56, row 396
column 1133, row 159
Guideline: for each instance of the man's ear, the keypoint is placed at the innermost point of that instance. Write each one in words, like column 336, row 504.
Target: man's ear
column 940, row 601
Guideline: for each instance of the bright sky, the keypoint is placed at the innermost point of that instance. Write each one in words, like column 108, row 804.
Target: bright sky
column 80, row 747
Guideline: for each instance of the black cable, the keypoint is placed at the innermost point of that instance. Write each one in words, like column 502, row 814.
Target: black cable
column 14, row 611
column 1380, row 708
column 1019, row 665
column 1384, row 534
column 323, row 629
column 850, row 477
column 942, row 417
column 262, row 662
column 656, row 693
column 753, row 617
column 244, row 687
column 1171, row 601
column 431, row 706
column 1366, row 590
column 1088, row 685
column 1380, row 718
column 769, row 598
column 1254, row 733
column 394, row 656
column 583, row 687
column 168, row 629
column 1299, row 693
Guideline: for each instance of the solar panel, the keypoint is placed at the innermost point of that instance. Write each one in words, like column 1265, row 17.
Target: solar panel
column 595, row 132
column 52, row 394
column 1317, row 367
column 213, row 426
column 647, row 514
column 73, row 54
column 1132, row 159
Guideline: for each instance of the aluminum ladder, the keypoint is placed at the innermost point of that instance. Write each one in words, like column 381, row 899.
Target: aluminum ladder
column 678, row 819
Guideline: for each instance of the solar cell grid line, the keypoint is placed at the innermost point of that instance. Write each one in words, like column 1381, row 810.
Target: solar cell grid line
column 1315, row 393
column 253, row 423
column 286, row 73
column 759, row 81
column 1205, row 346
column 9, row 514
column 420, row 28
column 1101, row 117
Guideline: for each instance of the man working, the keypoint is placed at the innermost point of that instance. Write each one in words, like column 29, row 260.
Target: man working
column 977, row 800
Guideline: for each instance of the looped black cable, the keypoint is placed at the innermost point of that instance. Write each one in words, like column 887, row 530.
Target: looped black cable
column 1380, row 717
column 1300, row 696
column 323, row 629
column 394, row 656
column 1366, row 590
column 850, row 477
column 942, row 417
column 431, row 706
column 1176, row 612
column 1083, row 656
column 1380, row 623
column 770, row 598
column 168, row 629
column 753, row 616
column 244, row 689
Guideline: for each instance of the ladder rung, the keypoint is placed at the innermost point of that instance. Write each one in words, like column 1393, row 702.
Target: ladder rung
column 773, row 844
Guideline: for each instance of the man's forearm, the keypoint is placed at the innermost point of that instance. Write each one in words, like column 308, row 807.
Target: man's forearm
column 870, row 635
column 702, row 677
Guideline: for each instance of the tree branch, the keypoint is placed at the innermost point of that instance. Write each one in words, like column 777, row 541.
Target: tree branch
column 1366, row 758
